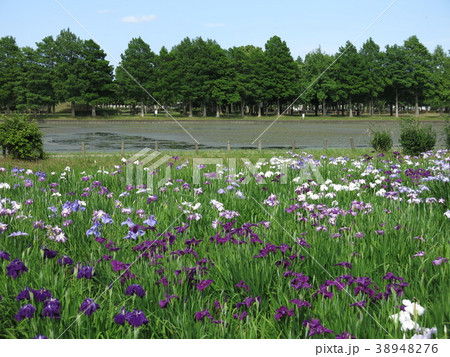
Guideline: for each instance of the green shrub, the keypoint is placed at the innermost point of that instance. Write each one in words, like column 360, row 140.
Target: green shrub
column 21, row 138
column 416, row 138
column 381, row 140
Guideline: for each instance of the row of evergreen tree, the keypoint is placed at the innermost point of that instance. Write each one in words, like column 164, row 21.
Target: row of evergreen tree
column 198, row 73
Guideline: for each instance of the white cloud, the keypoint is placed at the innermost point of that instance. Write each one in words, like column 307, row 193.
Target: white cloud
column 138, row 19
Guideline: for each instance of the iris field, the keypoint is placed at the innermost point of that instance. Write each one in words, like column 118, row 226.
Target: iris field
column 296, row 247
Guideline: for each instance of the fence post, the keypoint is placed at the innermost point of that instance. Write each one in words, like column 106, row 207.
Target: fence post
column 83, row 148
column 196, row 148
column 325, row 144
column 352, row 144
column 228, row 145
column 156, row 145
column 293, row 145
column 122, row 148
column 259, row 145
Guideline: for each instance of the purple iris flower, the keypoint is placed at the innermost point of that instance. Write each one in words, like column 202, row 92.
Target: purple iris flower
column 41, row 295
column 24, row 294
column 65, row 260
column 94, row 230
column 135, row 289
column 136, row 318
column 18, row 234
column 151, row 221
column 345, row 264
column 88, row 306
column 345, row 336
column 4, row 255
column 241, row 316
column 52, row 309
column 111, row 246
column 359, row 303
column 391, row 276
column 163, row 303
column 241, row 284
column 128, row 222
column 26, row 311
column 121, row 318
column 49, row 254
column 204, row 284
column 248, row 302
column 282, row 312
column 300, row 281
column 118, row 265
column 85, row 271
column 315, row 327
column 439, row 261
column 300, row 303
column 16, row 268
column 200, row 315
column 419, row 254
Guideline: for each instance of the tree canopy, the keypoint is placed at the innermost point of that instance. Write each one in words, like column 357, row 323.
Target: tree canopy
column 199, row 75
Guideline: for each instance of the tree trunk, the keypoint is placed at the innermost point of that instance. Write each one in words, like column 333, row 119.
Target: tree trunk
column 217, row 110
column 350, row 109
column 204, row 109
column 316, row 109
column 396, row 102
column 259, row 111
column 242, row 109
column 190, row 108
column 391, row 110
column 278, row 107
column 94, row 111
column 72, row 104
column 54, row 108
column 417, row 104
column 142, row 110
column 166, row 109
column 371, row 106
column 324, row 107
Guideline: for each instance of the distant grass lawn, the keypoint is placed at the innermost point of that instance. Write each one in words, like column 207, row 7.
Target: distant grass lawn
column 176, row 115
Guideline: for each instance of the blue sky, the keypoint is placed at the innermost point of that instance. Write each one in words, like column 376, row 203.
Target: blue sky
column 303, row 24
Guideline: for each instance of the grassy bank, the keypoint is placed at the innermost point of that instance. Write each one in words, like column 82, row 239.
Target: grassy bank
column 57, row 162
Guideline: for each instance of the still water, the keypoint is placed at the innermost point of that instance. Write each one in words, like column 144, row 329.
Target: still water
column 107, row 136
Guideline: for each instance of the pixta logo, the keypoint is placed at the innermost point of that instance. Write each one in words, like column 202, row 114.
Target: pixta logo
column 136, row 166
column 157, row 168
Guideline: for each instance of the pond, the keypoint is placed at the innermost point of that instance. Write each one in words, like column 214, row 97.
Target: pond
column 107, row 136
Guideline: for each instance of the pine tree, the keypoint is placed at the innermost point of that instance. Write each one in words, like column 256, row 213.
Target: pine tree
column 10, row 61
